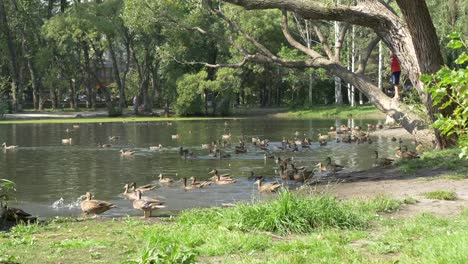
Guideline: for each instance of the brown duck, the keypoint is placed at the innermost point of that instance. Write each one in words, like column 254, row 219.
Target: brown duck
column 95, row 207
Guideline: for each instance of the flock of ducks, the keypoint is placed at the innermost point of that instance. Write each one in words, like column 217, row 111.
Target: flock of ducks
column 287, row 170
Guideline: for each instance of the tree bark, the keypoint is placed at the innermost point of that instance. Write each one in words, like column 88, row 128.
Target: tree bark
column 16, row 86
column 116, row 72
column 90, row 98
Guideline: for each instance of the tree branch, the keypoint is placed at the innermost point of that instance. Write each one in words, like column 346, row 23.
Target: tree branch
column 292, row 41
column 366, row 54
column 323, row 41
column 339, row 42
column 358, row 15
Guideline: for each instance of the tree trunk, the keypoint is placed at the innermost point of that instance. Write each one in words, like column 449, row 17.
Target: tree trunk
column 16, row 86
column 90, row 98
column 154, row 83
column 380, row 67
column 338, row 94
column 72, row 98
column 116, row 72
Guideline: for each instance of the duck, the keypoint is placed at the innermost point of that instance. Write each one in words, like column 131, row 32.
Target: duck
column 222, row 176
column 100, row 145
column 128, row 152
column 403, row 153
column 220, row 181
column 227, row 136
column 146, row 205
column 302, row 174
column 165, row 179
column 158, row 147
column 322, row 137
column 268, row 156
column 384, row 162
column 176, row 136
column 66, row 140
column 267, row 187
column 190, row 186
column 95, row 207
column 4, row 145
column 223, row 156
column 127, row 193
column 322, row 143
column 143, row 188
column 287, row 174
column 112, row 138
column 329, row 166
column 16, row 214
column 202, row 183
column 76, row 126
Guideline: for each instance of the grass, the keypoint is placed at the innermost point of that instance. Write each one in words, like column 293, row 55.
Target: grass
column 247, row 229
column 340, row 111
column 443, row 159
column 322, row 229
column 108, row 120
column 441, row 195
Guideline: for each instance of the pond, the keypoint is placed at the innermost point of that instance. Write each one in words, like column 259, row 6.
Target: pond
column 51, row 176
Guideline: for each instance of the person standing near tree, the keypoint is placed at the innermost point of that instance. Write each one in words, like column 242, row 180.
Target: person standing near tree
column 396, row 71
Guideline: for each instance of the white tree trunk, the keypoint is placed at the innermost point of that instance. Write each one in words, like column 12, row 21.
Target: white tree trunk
column 380, row 67
column 352, row 102
column 338, row 94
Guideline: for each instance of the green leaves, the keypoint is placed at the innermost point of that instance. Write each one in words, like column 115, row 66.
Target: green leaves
column 6, row 188
column 449, row 88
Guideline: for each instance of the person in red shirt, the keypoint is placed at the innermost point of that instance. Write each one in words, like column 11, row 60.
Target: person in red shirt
column 396, row 71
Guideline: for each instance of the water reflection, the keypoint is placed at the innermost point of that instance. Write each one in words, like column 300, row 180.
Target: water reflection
column 46, row 170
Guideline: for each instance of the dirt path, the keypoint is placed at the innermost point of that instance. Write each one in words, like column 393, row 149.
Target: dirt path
column 391, row 182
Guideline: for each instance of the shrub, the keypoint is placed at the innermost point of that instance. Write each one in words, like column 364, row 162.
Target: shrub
column 3, row 108
column 449, row 88
column 115, row 111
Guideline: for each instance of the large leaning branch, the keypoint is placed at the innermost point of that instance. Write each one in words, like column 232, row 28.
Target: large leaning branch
column 358, row 15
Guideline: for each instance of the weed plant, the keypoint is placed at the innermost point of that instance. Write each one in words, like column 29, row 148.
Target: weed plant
column 441, row 195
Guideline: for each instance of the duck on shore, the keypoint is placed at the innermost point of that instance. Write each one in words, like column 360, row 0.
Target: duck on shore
column 96, row 207
column 146, row 205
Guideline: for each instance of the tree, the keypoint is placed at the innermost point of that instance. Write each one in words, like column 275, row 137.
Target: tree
column 411, row 37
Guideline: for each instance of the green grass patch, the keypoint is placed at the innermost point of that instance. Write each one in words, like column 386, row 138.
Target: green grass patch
column 424, row 239
column 109, row 120
column 341, row 111
column 444, row 159
column 290, row 213
column 441, row 195
column 454, row 176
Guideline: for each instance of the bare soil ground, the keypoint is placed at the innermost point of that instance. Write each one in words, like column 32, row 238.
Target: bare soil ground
column 391, row 182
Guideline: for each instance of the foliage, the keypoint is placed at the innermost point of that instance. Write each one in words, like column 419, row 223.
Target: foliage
column 6, row 189
column 3, row 108
column 189, row 90
column 441, row 195
column 449, row 89
column 115, row 111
